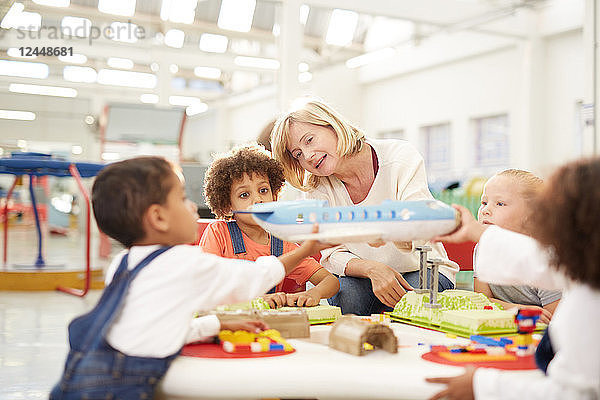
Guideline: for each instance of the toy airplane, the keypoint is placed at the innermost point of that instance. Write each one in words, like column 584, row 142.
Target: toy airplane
column 393, row 221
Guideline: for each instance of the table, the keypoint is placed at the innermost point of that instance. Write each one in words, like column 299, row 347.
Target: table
column 40, row 164
column 316, row 371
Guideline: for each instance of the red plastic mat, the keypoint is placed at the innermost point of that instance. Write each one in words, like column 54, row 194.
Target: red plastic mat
column 527, row 362
column 213, row 350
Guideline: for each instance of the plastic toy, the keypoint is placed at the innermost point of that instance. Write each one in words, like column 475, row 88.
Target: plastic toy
column 526, row 319
column 393, row 221
column 350, row 334
column 246, row 342
column 290, row 324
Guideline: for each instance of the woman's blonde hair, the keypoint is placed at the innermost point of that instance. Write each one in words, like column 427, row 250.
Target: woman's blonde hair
column 529, row 184
column 350, row 139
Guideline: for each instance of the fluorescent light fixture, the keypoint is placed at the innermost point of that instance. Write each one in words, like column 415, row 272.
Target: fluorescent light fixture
column 213, row 43
column 368, row 58
column 16, row 53
column 149, row 98
column 74, row 59
column 304, row 11
column 75, row 26
column 181, row 11
column 117, row 7
column 19, row 115
column 236, row 15
column 125, row 32
column 173, row 68
column 175, row 38
column 120, row 63
column 53, row 3
column 207, row 72
column 42, row 90
column 256, row 62
column 184, row 101
column 341, row 27
column 110, row 156
column 23, row 69
column 126, row 78
column 77, row 150
column 196, row 109
column 303, row 67
column 18, row 19
column 276, row 31
column 79, row 74
column 304, row 77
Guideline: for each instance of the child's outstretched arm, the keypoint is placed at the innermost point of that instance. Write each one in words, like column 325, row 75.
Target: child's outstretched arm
column 458, row 387
column 469, row 230
column 290, row 260
column 326, row 285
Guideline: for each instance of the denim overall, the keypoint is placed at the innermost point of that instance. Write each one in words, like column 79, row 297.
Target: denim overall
column 544, row 352
column 95, row 370
column 238, row 243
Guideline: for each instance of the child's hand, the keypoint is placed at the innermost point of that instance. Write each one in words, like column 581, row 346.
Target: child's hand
column 545, row 316
column 469, row 230
column 458, row 387
column 244, row 325
column 314, row 246
column 302, row 299
column 275, row 300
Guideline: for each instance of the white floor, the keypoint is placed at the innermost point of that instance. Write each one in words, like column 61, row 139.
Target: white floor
column 33, row 325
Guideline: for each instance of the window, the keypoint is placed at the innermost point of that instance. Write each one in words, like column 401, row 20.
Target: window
column 435, row 144
column 491, row 142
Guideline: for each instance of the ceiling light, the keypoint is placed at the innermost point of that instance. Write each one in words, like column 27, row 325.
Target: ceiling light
column 304, row 11
column 256, row 62
column 22, row 143
column 304, row 77
column 23, row 69
column 79, row 74
column 125, row 32
column 18, row 19
column 117, row 7
column 42, row 90
column 120, row 63
column 175, row 38
column 213, row 43
column 19, row 115
column 74, row 59
column 173, row 68
column 126, row 78
column 154, row 67
column 89, row 119
column 107, row 156
column 16, row 53
column 236, row 15
column 207, row 72
column 76, row 150
column 149, row 98
column 341, row 27
column 196, row 109
column 303, row 67
column 184, row 101
column 75, row 26
column 53, row 3
column 181, row 11
column 371, row 57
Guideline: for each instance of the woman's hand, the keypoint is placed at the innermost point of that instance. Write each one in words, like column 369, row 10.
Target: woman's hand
column 388, row 284
column 458, row 387
column 303, row 299
column 469, row 229
column 275, row 300
column 244, row 325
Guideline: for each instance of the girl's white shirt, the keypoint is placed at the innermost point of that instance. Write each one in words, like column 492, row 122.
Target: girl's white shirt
column 509, row 258
column 154, row 320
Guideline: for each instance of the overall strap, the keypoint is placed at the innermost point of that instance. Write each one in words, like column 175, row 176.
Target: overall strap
column 111, row 301
column 236, row 237
column 276, row 246
column 544, row 353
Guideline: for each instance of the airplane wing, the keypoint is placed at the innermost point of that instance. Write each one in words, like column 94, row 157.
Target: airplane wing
column 338, row 237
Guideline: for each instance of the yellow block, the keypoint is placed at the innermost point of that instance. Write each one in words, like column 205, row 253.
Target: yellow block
column 470, row 357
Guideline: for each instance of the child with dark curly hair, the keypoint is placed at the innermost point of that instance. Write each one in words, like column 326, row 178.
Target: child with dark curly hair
column 235, row 181
column 566, row 255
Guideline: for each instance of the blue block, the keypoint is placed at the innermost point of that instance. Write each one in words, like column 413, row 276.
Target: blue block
column 275, row 347
column 487, row 341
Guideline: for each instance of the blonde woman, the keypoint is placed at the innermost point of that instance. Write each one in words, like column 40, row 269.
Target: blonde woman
column 329, row 158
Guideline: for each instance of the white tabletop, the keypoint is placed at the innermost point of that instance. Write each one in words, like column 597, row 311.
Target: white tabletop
column 316, row 371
